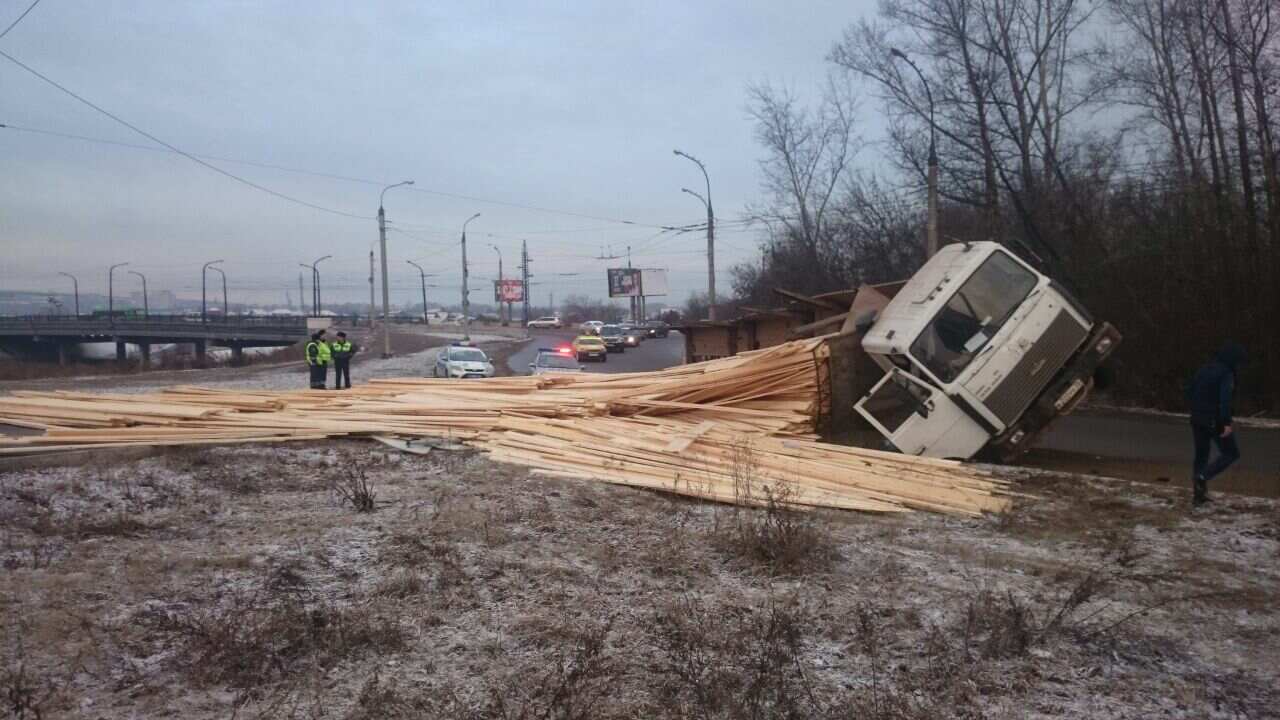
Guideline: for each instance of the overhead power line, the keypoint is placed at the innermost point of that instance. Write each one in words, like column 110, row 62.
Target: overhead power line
column 328, row 175
column 14, row 24
column 174, row 148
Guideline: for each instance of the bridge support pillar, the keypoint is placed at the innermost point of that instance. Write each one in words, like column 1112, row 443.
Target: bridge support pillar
column 237, row 355
column 201, row 358
column 145, row 350
column 122, row 352
column 62, row 353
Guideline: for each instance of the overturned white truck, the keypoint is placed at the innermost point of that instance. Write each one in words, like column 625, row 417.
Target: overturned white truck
column 981, row 352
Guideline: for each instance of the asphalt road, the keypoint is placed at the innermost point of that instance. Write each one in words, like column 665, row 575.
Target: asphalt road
column 1141, row 446
column 653, row 354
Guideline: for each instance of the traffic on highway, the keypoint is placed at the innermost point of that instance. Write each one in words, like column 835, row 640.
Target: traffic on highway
column 595, row 346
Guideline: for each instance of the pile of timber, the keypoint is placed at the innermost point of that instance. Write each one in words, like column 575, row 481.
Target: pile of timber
column 732, row 430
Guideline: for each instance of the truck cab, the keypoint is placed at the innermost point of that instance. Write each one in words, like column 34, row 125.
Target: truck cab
column 980, row 353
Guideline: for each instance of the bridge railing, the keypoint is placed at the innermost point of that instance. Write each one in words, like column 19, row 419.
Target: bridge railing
column 154, row 324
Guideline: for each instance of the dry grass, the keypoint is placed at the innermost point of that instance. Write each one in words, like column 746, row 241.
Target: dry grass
column 255, row 637
column 478, row 591
column 774, row 536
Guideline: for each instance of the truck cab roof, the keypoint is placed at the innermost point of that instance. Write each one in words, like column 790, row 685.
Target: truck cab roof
column 924, row 295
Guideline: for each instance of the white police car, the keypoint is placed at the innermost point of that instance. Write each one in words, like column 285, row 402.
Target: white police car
column 559, row 360
column 462, row 361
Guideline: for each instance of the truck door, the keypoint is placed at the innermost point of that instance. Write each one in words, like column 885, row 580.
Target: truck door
column 921, row 420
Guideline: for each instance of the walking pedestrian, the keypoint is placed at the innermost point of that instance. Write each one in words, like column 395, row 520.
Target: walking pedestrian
column 343, row 349
column 315, row 361
column 1210, row 395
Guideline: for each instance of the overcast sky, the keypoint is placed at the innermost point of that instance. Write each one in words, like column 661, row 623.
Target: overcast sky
column 572, row 107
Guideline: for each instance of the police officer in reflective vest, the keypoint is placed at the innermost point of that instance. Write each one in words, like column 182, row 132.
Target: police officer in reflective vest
column 318, row 354
column 343, row 349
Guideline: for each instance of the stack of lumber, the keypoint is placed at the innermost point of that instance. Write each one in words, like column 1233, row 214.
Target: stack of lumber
column 722, row 430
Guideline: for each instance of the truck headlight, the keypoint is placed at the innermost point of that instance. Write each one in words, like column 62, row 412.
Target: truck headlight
column 1103, row 345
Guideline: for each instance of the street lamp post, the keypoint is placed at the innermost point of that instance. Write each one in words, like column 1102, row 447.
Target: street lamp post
column 204, row 271
column 226, row 312
column 931, row 238
column 423, row 276
column 386, row 291
column 466, row 292
column 146, row 308
column 313, row 288
column 711, row 237
column 315, row 284
column 75, row 286
column 504, row 319
column 111, row 300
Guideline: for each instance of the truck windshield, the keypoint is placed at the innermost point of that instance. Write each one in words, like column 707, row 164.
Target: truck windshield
column 973, row 316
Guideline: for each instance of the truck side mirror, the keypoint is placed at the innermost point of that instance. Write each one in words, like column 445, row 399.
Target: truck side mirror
column 864, row 321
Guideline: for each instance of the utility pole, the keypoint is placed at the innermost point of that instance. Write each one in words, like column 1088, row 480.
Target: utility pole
column 633, row 297
column 204, row 272
column 524, row 281
column 505, row 321
column 372, row 303
column 386, row 286
column 111, row 312
column 302, row 304
column 711, row 236
column 75, row 286
column 146, row 310
column 931, row 233
column 466, row 291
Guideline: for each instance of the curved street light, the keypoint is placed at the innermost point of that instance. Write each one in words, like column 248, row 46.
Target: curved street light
column 225, row 309
column 711, row 235
column 466, row 292
column 386, row 291
column 111, row 304
column 204, row 271
column 146, row 309
column 75, row 286
column 931, row 238
column 423, row 276
column 315, row 285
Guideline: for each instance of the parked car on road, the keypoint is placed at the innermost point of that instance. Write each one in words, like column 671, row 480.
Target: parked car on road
column 590, row 346
column 557, row 360
column 546, row 322
column 462, row 361
column 613, row 338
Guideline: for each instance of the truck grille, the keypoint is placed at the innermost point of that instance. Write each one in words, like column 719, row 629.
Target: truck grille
column 1034, row 371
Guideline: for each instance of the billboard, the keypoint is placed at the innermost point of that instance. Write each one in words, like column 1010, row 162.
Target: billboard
column 509, row 291
column 624, row 282
column 653, row 282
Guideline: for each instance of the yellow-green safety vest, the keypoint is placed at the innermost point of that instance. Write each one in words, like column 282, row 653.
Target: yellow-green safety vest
column 325, row 354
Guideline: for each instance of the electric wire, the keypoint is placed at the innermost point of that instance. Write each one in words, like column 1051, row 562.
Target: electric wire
column 14, row 24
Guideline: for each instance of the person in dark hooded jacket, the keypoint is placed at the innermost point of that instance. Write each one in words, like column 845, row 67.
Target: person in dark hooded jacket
column 1210, row 396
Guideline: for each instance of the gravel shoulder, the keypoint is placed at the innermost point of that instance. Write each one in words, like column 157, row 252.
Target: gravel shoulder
column 238, row 581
